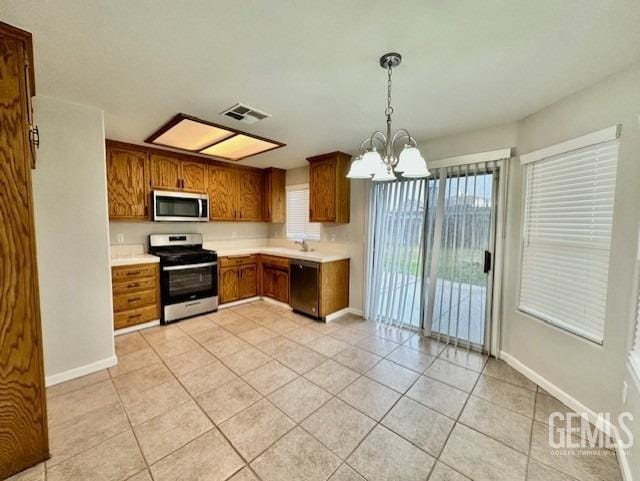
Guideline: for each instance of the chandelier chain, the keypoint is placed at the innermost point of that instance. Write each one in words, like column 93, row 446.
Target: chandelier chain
column 389, row 110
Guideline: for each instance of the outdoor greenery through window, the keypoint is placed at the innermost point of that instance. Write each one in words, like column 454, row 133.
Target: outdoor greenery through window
column 427, row 245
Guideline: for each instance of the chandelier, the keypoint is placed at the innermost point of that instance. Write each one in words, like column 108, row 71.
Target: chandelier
column 378, row 155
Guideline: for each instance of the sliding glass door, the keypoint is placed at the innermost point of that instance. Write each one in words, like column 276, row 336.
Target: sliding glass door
column 397, row 212
column 458, row 284
column 429, row 253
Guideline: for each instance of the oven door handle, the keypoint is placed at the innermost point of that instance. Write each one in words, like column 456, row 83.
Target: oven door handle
column 190, row 266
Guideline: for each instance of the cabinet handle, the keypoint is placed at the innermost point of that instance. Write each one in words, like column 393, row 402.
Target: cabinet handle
column 135, row 299
column 133, row 273
column 134, row 284
column 34, row 134
column 134, row 316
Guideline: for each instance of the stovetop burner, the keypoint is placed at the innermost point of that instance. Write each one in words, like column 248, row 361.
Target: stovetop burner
column 177, row 249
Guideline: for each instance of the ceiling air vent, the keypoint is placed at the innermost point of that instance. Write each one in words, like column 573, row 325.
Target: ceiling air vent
column 245, row 113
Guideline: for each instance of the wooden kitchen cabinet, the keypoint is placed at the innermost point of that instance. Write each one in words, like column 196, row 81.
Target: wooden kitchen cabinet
column 249, row 196
column 238, row 278
column 23, row 404
column 172, row 173
column 136, row 294
column 275, row 277
column 235, row 194
column 329, row 188
column 274, row 199
column 127, row 183
column 194, row 176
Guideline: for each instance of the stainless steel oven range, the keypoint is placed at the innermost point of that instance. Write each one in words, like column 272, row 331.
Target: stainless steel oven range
column 188, row 275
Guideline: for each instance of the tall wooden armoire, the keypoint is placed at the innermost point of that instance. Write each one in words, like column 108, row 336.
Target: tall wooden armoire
column 23, row 417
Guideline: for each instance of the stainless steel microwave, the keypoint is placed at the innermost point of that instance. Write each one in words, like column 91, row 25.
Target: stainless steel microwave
column 179, row 206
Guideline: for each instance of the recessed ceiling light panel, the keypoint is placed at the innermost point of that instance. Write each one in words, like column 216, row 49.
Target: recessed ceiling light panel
column 239, row 147
column 189, row 133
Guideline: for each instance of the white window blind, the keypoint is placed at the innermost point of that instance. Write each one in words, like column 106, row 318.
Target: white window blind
column 298, row 225
column 566, row 238
column 634, row 356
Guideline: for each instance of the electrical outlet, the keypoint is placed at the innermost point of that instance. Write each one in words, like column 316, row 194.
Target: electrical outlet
column 333, row 237
column 624, row 392
column 120, row 238
column 234, row 234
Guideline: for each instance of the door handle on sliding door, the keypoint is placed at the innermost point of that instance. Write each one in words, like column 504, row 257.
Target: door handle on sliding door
column 487, row 262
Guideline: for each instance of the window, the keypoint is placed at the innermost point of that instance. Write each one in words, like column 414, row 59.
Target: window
column 298, row 225
column 568, row 216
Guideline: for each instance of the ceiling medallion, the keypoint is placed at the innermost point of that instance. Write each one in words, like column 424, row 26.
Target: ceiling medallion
column 378, row 153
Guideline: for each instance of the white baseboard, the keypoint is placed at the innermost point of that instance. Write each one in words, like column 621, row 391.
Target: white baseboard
column 237, row 303
column 277, row 303
column 347, row 310
column 594, row 418
column 137, row 327
column 81, row 371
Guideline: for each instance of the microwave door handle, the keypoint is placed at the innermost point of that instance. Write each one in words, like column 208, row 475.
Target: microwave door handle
column 199, row 208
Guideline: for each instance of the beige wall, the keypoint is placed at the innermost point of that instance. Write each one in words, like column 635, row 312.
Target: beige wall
column 591, row 374
column 344, row 238
column 586, row 371
column 72, row 239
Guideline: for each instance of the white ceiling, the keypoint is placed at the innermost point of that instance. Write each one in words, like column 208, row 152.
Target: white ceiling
column 314, row 64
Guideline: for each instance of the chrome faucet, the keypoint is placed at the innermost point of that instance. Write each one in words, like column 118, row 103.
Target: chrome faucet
column 303, row 244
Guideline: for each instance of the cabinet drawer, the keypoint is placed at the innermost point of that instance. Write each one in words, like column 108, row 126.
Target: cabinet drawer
column 134, row 300
column 231, row 261
column 135, row 316
column 134, row 272
column 134, row 285
column 274, row 261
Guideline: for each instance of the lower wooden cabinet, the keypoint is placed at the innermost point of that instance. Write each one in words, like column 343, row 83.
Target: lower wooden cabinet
column 245, row 276
column 238, row 278
column 136, row 294
column 275, row 277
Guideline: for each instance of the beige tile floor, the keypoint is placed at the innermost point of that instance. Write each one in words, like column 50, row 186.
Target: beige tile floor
column 256, row 392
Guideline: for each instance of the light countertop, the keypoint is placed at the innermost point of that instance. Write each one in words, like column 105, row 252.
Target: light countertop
column 314, row 256
column 127, row 260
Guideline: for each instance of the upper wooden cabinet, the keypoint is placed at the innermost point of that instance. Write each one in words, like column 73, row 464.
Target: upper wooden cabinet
column 274, row 200
column 329, row 188
column 169, row 172
column 222, row 188
column 194, row 176
column 127, row 183
column 236, row 193
column 249, row 196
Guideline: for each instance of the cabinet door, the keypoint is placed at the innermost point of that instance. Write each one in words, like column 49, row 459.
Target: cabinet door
column 281, row 286
column 248, row 281
column 165, row 172
column 229, row 285
column 268, row 282
column 23, row 422
column 126, row 183
column 249, row 196
column 322, row 188
column 222, row 193
column 194, row 176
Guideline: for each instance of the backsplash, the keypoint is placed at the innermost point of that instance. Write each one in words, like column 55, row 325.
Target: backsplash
column 236, row 232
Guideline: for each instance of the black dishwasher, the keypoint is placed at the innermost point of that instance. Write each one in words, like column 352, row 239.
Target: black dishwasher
column 304, row 277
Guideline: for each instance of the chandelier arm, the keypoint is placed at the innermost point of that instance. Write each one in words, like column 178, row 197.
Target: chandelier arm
column 401, row 134
column 377, row 135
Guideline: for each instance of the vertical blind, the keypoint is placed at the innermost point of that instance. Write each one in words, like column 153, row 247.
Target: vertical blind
column 395, row 249
column 567, row 236
column 298, row 225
